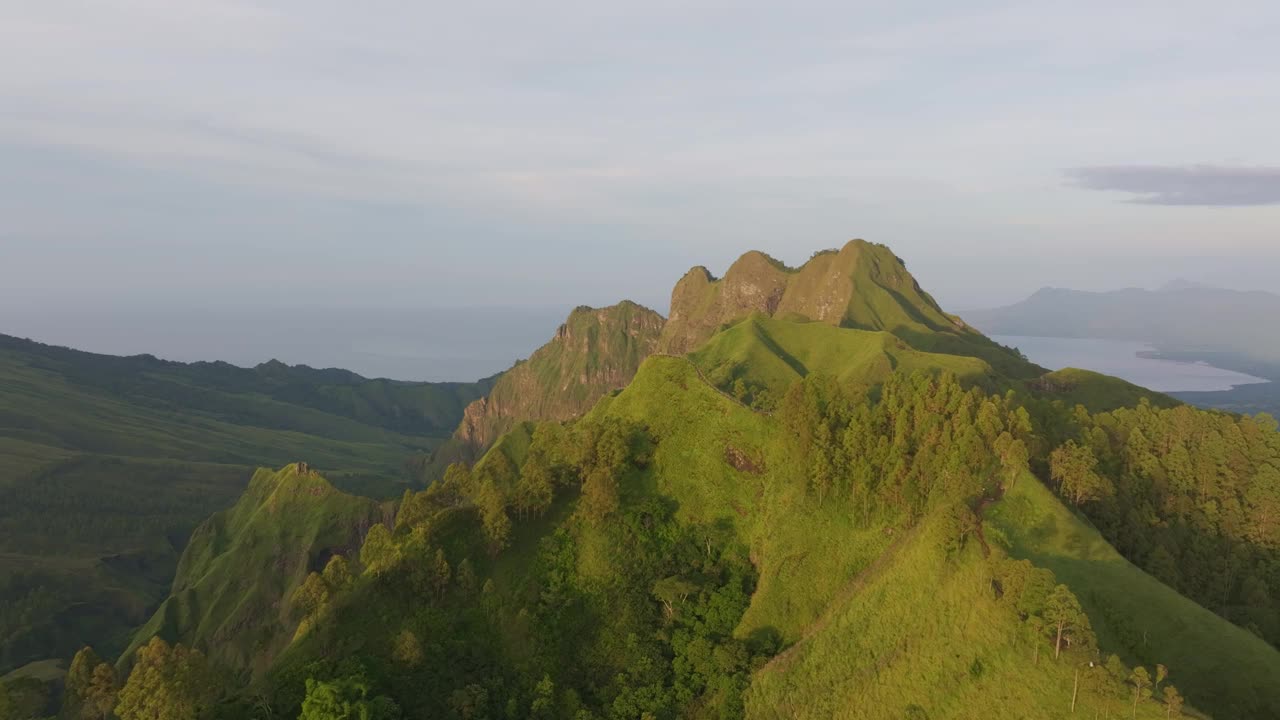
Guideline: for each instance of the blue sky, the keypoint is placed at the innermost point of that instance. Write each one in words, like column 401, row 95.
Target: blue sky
column 409, row 154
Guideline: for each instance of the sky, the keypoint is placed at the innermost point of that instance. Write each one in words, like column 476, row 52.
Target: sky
column 405, row 155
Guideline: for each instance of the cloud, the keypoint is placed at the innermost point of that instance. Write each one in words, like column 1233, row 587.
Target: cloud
column 1216, row 185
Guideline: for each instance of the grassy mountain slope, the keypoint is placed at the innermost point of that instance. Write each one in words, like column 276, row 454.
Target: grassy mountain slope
column 593, row 352
column 231, row 595
column 863, row 286
column 1095, row 391
column 726, row 465
column 769, row 353
column 889, row 619
column 923, row 635
column 107, row 463
column 1138, row 616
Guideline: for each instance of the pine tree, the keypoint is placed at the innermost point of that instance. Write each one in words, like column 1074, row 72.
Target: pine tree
column 1066, row 617
column 167, row 683
column 1141, row 682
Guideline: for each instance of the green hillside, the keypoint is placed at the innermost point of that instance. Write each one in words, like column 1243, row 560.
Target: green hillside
column 107, row 464
column 232, row 594
column 759, row 357
column 1095, row 391
column 1136, row 615
column 683, row 561
column 810, row 494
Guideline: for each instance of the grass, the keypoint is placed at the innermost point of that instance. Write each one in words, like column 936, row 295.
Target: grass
column 923, row 635
column 1095, row 391
column 1217, row 665
column 774, row 353
column 107, row 464
column 230, row 594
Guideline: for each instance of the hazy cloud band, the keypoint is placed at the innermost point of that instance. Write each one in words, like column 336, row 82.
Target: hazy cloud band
column 1185, row 185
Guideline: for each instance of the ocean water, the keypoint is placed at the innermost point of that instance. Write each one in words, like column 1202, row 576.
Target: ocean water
column 1122, row 359
column 429, row 344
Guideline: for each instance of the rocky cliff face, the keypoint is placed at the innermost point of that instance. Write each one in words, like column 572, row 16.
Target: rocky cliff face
column 862, row 285
column 595, row 351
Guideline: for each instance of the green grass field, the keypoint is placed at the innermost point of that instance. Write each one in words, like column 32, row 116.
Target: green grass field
column 1215, row 663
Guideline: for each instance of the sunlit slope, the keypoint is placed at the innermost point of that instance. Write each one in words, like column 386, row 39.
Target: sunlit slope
column 724, row 463
column 862, row 285
column 1219, row 666
column 231, row 594
column 773, row 353
column 922, row 635
column 1095, row 391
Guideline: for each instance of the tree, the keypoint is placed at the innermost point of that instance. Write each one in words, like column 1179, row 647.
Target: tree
column 467, row 581
column 1141, row 682
column 1173, row 702
column 440, row 573
column 493, row 514
column 100, row 698
column 599, row 494
column 1162, row 672
column 337, row 574
column 310, row 596
column 536, row 488
column 167, row 683
column 379, row 552
column 407, row 649
column 544, row 697
column 79, row 678
column 1073, row 467
column 1066, row 617
column 23, row 698
column 348, row 698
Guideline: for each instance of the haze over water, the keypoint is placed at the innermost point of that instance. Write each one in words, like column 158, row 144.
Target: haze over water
column 1121, row 358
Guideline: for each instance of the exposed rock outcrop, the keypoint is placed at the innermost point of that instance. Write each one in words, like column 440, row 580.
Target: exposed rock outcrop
column 595, row 351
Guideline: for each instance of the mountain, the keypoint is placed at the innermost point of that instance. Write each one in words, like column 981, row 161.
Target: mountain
column 233, row 592
column 107, row 463
column 684, row 562
column 1180, row 316
column 1185, row 321
column 854, row 507
column 595, row 351
column 862, row 286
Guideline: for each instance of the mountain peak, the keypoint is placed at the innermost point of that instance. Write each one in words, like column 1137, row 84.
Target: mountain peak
column 862, row 285
column 594, row 351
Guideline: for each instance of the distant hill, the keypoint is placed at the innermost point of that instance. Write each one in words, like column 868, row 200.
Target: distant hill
column 1181, row 316
column 107, row 463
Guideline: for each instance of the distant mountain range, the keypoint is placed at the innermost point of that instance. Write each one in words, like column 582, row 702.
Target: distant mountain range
column 1181, row 316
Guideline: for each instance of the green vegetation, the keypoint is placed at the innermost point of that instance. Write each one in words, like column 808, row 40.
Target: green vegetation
column 1095, row 391
column 1194, row 498
column 828, row 498
column 758, row 358
column 1133, row 613
column 108, row 463
column 234, row 593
